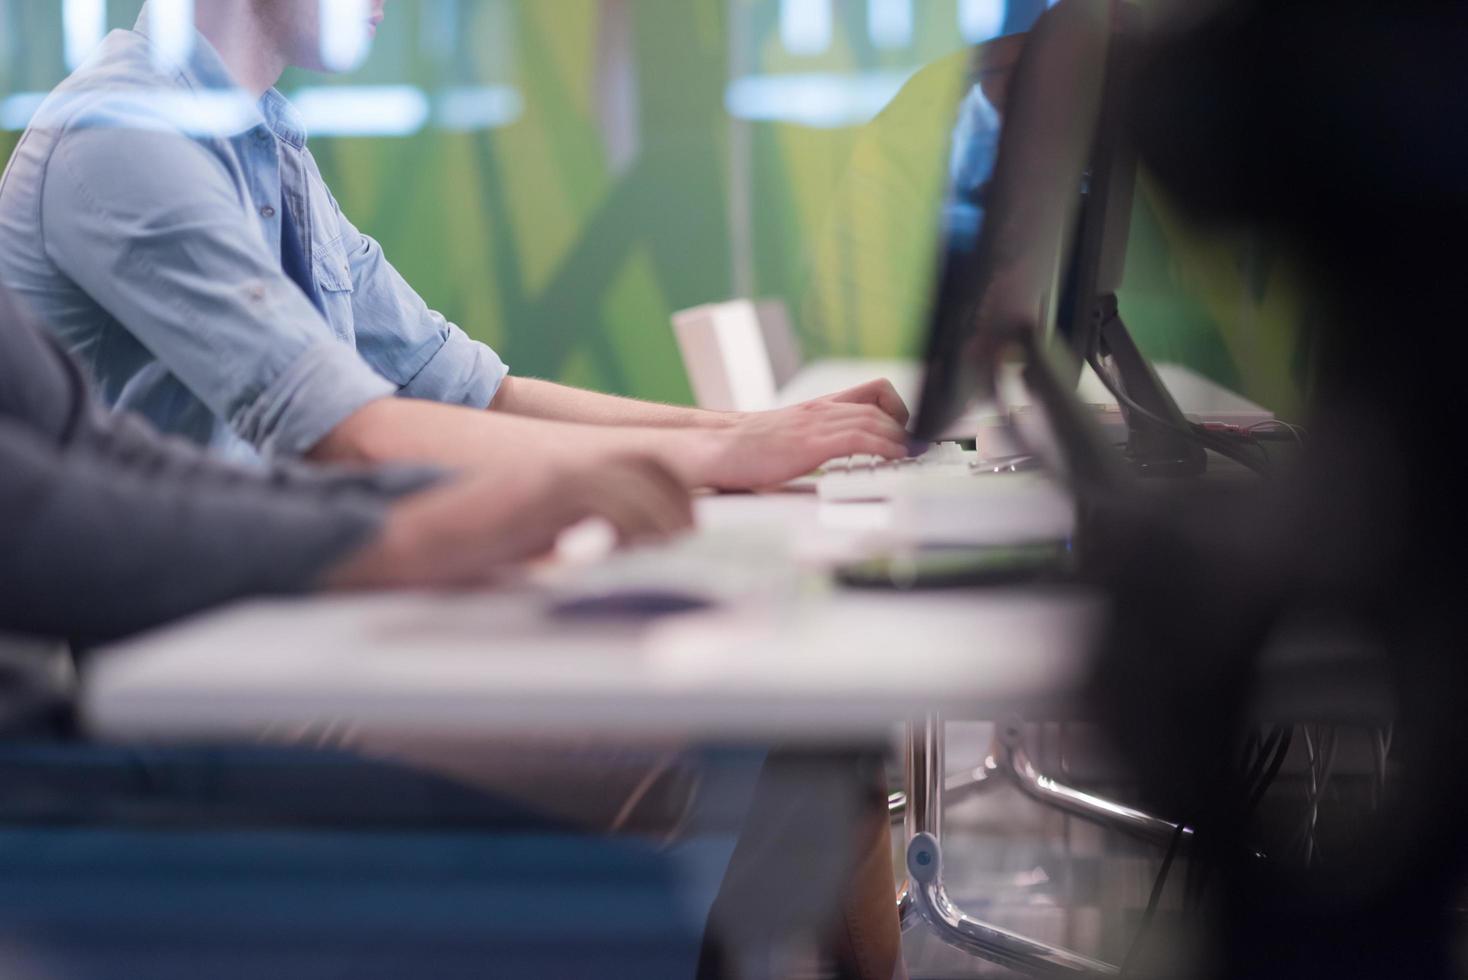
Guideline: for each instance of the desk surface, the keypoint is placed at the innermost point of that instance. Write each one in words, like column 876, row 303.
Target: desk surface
column 784, row 655
column 1200, row 399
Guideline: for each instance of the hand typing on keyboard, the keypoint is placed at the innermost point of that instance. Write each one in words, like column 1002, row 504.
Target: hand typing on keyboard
column 876, row 478
column 766, row 449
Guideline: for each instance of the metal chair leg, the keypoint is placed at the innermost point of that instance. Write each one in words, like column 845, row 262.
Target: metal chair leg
column 1008, row 758
column 964, row 932
column 1015, row 762
column 924, row 822
column 957, row 784
column 921, row 805
column 921, row 815
column 907, row 916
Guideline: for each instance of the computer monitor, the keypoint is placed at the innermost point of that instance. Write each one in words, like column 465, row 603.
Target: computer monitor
column 1006, row 244
column 1041, row 268
column 1160, row 441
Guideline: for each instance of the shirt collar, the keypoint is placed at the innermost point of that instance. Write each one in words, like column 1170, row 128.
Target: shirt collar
column 205, row 69
column 283, row 118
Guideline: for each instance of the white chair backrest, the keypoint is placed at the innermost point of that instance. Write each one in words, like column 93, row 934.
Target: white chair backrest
column 738, row 355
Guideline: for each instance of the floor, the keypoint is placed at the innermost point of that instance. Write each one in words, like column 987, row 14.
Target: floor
column 1015, row 863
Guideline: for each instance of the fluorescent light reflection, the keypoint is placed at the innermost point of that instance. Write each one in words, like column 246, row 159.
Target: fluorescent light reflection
column 83, row 25
column 820, row 100
column 16, row 111
column 806, row 26
column 980, row 20
column 171, row 29
column 889, row 22
column 476, row 108
column 345, row 41
column 197, row 113
column 346, row 110
column 362, row 110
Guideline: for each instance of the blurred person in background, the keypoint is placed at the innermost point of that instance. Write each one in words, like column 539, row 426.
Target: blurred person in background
column 870, row 277
column 168, row 222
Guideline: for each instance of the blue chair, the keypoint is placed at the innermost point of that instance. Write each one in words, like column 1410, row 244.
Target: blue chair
column 227, row 862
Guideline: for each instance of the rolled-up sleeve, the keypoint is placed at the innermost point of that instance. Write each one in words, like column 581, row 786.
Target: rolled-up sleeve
column 193, row 280
column 418, row 349
column 309, row 398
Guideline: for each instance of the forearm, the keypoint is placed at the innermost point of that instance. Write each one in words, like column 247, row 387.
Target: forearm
column 546, row 400
column 407, row 430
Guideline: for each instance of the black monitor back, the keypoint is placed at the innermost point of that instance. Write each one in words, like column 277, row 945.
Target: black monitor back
column 1160, row 440
column 1006, row 285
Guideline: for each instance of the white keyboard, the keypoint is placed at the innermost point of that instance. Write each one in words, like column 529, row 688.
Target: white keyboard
column 854, row 478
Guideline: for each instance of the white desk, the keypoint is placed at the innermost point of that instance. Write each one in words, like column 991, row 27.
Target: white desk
column 1200, row 398
column 795, row 660
column 785, row 655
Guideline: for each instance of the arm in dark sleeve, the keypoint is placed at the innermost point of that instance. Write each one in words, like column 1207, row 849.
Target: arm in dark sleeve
column 91, row 551
column 128, row 441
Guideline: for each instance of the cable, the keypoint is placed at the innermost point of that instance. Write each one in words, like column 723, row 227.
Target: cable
column 1191, row 431
column 1381, row 745
column 1264, row 749
column 1251, row 747
column 1153, row 900
column 1275, row 764
column 1261, row 763
column 1298, row 432
column 1327, row 767
column 1320, row 752
column 1234, row 435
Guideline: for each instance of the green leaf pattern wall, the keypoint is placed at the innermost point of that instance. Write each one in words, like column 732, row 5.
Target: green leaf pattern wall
column 624, row 191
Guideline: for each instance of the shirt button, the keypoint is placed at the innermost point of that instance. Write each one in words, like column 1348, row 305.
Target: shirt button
column 267, row 212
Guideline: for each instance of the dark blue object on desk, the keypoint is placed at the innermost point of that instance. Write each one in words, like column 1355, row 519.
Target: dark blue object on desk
column 630, row 604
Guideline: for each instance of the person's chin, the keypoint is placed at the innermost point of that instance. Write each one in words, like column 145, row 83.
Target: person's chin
column 312, row 61
column 314, row 65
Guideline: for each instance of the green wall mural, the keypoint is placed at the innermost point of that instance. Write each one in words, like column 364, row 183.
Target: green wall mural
column 615, row 188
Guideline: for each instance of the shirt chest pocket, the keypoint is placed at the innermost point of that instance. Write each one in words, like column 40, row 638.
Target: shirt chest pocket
column 334, row 286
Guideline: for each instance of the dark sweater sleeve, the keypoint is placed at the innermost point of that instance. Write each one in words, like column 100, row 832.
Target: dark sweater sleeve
column 128, row 441
column 108, row 528
column 91, row 550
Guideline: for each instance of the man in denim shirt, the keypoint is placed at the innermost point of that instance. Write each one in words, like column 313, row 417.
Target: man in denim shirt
column 170, row 224
column 108, row 528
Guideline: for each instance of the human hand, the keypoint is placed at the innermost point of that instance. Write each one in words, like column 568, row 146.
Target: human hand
column 766, row 449
column 879, row 393
column 466, row 532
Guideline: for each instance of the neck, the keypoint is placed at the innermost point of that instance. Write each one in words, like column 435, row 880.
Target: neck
column 244, row 44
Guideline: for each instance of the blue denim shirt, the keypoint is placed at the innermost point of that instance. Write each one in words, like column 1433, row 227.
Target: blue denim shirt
column 140, row 218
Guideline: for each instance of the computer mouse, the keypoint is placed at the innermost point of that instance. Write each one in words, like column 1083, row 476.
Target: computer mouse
column 633, row 603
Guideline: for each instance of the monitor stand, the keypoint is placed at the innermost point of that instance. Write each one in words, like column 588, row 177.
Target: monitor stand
column 1157, row 444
